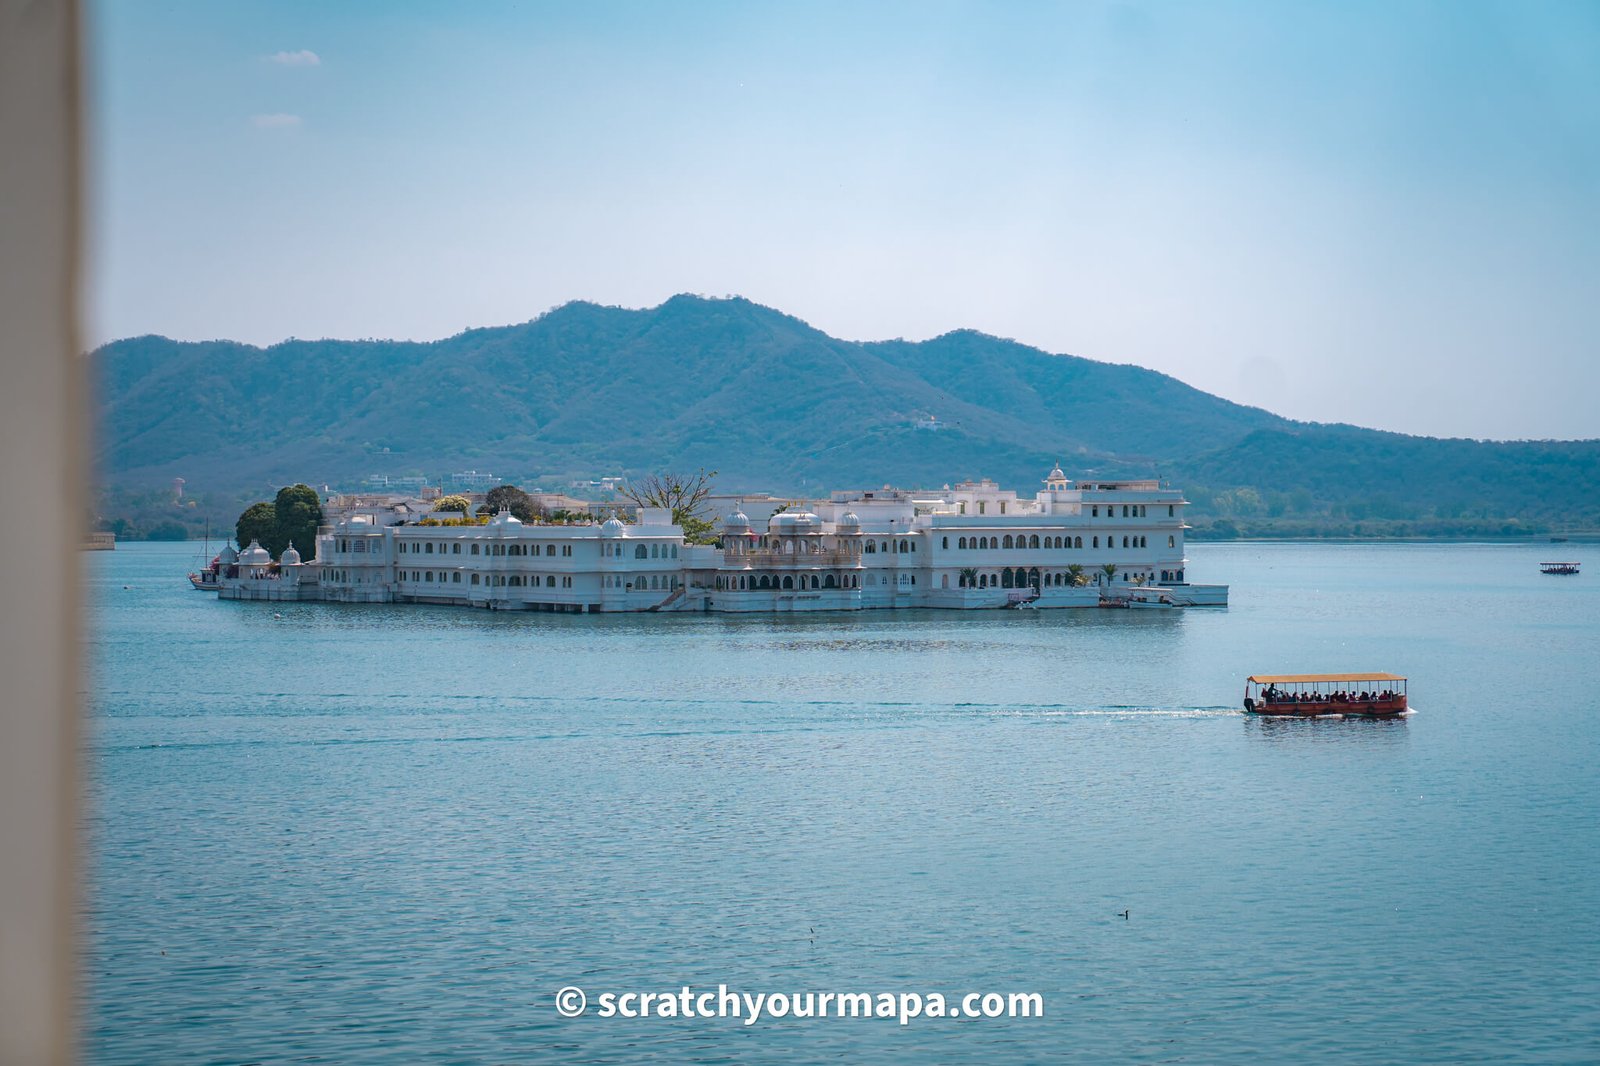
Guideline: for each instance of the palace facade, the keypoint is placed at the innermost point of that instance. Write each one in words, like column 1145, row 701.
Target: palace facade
column 971, row 546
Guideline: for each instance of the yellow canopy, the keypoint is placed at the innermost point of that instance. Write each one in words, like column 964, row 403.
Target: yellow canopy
column 1319, row 679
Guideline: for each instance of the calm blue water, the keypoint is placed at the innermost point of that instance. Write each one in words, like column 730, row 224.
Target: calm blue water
column 338, row 834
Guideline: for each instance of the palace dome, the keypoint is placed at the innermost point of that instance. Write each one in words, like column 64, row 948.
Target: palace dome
column 737, row 520
column 796, row 521
column 290, row 557
column 255, row 555
column 850, row 521
column 505, row 518
column 612, row 527
column 227, row 555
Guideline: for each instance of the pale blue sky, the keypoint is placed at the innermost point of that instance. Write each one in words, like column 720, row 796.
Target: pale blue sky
column 1383, row 213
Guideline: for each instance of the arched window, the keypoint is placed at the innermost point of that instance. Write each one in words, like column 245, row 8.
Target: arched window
column 641, row 552
column 946, row 543
column 814, row 582
column 474, row 577
column 871, row 549
column 884, row 547
column 1172, row 542
column 788, row 582
column 1124, row 542
column 475, row 548
column 1007, row 542
column 674, row 551
column 1033, row 541
column 1097, row 542
column 962, row 543
column 828, row 582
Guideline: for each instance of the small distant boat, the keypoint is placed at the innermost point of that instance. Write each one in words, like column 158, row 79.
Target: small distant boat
column 1315, row 695
column 1558, row 568
column 1146, row 596
column 1558, row 540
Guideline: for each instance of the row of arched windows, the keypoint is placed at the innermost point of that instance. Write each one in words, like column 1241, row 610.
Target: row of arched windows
column 779, row 582
column 1020, row 578
column 454, row 548
column 888, row 546
column 1019, row 541
column 640, row 582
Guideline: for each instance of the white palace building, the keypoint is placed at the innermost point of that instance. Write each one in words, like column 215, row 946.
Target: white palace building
column 972, row 546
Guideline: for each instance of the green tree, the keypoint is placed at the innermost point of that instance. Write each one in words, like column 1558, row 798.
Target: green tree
column 453, row 503
column 299, row 510
column 1075, row 574
column 683, row 495
column 1110, row 570
column 510, row 498
column 293, row 517
column 259, row 522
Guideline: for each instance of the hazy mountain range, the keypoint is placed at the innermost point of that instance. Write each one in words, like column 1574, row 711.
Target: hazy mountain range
column 774, row 404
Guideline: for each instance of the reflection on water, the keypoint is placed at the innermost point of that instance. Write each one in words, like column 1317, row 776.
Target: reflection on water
column 1349, row 730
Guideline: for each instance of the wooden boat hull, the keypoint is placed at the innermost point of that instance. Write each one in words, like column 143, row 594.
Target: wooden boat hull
column 204, row 584
column 1362, row 708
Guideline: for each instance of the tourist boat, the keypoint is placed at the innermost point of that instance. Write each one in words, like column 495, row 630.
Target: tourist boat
column 1558, row 568
column 1313, row 695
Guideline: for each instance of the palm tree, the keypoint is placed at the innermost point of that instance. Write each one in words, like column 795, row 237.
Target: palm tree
column 969, row 577
column 1110, row 570
column 1075, row 574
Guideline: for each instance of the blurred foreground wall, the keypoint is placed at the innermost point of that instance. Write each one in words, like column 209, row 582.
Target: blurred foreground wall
column 42, row 446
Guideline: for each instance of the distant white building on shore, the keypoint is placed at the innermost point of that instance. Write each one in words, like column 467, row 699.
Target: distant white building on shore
column 973, row 545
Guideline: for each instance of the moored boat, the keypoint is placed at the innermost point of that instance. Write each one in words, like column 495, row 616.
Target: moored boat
column 1311, row 695
column 1558, row 568
column 208, row 578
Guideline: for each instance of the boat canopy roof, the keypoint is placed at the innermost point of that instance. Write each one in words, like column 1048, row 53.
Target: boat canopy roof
column 1319, row 679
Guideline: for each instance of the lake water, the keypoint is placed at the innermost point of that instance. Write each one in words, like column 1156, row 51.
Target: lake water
column 342, row 834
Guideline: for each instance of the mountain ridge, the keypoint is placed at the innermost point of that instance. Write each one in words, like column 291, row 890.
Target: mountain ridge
column 772, row 402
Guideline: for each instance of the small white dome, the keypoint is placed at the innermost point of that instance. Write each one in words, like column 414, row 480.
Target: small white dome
column 1057, row 474
column 290, row 557
column 255, row 555
column 227, row 554
column 612, row 527
column 505, row 518
column 850, row 519
column 737, row 520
